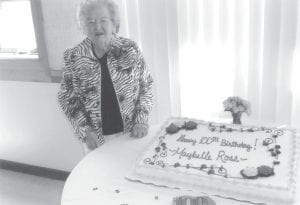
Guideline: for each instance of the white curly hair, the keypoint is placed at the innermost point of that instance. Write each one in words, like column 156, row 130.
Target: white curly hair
column 83, row 8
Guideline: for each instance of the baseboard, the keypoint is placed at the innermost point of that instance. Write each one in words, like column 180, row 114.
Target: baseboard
column 34, row 170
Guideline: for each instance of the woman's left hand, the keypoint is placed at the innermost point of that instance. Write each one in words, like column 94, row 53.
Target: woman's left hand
column 139, row 130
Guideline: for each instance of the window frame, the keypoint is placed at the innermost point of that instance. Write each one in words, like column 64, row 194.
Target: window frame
column 23, row 69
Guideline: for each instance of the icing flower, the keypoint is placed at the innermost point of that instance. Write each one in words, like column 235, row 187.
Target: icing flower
column 203, row 166
column 157, row 149
column 265, row 171
column 172, row 129
column 211, row 171
column 275, row 151
column 265, row 143
column 250, row 173
column 190, row 125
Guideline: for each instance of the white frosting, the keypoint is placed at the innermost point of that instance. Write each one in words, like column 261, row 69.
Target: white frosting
column 212, row 161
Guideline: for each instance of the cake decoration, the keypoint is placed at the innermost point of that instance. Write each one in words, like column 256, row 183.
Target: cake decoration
column 265, row 171
column 172, row 129
column 250, row 172
column 194, row 154
column 246, row 173
column 190, row 125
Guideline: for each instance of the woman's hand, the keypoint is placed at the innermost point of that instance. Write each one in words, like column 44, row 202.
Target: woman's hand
column 139, row 130
column 91, row 139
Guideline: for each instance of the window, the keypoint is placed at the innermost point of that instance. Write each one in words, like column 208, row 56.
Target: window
column 23, row 54
column 17, row 37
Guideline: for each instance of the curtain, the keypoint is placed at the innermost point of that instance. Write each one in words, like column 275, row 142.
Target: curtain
column 241, row 48
column 202, row 51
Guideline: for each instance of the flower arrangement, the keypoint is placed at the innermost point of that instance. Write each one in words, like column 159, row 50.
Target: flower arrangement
column 237, row 106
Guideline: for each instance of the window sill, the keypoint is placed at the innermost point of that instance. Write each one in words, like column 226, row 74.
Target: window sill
column 20, row 57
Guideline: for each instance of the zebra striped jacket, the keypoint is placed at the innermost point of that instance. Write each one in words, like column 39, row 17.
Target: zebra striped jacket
column 80, row 92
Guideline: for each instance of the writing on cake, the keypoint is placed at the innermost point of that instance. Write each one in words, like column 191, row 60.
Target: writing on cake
column 215, row 140
column 205, row 155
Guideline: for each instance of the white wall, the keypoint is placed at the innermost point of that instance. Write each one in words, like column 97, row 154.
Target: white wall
column 61, row 30
column 33, row 129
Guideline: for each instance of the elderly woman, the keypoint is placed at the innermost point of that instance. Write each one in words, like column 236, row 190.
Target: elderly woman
column 106, row 86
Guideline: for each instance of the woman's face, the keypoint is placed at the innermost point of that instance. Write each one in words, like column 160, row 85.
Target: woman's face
column 100, row 26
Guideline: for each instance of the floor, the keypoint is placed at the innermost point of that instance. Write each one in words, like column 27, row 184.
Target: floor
column 22, row 189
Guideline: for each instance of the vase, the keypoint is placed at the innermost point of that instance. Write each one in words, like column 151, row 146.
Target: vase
column 236, row 118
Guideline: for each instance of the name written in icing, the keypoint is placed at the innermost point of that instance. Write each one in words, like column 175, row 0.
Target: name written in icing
column 190, row 155
column 223, row 157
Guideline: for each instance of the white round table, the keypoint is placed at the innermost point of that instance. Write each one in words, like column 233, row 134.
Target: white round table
column 100, row 178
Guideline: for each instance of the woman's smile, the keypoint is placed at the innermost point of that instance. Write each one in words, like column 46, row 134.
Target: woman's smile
column 99, row 34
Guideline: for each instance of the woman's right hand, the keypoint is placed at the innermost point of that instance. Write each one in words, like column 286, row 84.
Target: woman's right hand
column 91, row 139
